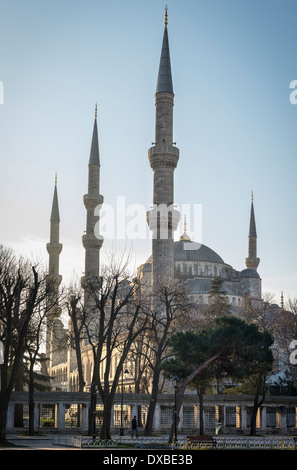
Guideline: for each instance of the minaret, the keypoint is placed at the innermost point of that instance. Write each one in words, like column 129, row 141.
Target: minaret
column 163, row 157
column 54, row 248
column 91, row 240
column 252, row 262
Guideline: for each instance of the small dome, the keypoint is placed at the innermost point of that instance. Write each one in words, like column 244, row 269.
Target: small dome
column 147, row 267
column 249, row 273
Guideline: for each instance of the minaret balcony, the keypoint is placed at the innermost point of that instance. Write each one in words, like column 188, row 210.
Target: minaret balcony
column 54, row 248
column 163, row 218
column 91, row 201
column 163, row 156
column 90, row 241
column 53, row 280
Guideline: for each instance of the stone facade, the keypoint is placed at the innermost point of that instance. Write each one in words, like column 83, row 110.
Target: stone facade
column 58, row 412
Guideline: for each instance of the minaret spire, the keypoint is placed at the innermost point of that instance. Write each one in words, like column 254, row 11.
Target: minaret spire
column 164, row 82
column 55, row 215
column 92, row 241
column 94, row 153
column 54, row 248
column 163, row 157
column 252, row 262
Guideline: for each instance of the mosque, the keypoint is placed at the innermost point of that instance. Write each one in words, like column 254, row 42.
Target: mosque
column 195, row 265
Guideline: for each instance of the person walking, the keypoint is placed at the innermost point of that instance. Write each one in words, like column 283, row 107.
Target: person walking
column 134, row 427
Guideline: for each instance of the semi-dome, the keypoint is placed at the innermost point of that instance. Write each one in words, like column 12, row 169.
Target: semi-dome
column 193, row 251
column 248, row 273
column 202, row 286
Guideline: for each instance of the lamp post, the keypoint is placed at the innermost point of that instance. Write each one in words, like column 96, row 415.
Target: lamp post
column 122, row 400
column 175, row 381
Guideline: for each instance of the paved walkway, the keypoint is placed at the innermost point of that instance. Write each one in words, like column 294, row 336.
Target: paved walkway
column 32, row 442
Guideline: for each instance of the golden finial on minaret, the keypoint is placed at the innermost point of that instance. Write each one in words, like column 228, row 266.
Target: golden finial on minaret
column 185, row 237
column 252, row 196
column 56, row 179
column 166, row 16
column 282, row 300
column 96, row 111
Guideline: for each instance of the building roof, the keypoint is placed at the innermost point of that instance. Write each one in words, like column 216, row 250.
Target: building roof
column 189, row 251
column 202, row 286
column 193, row 251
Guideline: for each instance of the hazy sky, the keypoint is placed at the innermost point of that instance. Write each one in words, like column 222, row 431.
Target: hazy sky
column 232, row 65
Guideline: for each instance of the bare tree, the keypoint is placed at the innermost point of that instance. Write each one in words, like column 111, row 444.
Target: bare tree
column 286, row 337
column 116, row 315
column 76, row 329
column 33, row 340
column 20, row 285
column 172, row 311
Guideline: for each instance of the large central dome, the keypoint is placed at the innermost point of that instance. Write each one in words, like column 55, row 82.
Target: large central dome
column 193, row 251
column 189, row 251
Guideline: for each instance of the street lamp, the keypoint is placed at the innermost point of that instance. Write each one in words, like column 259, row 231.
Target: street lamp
column 175, row 381
column 122, row 400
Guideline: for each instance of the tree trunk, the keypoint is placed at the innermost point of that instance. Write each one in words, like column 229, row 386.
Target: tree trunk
column 92, row 411
column 151, row 411
column 3, row 419
column 254, row 418
column 182, row 388
column 200, row 391
column 257, row 403
column 105, row 428
column 77, row 341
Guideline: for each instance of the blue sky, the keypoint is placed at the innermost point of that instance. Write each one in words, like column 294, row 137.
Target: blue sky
column 232, row 64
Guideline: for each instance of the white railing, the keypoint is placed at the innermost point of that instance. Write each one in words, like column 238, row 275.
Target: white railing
column 240, row 442
column 255, row 442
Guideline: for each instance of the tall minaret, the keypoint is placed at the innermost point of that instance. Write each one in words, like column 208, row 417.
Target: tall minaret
column 163, row 157
column 252, row 262
column 91, row 240
column 54, row 248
